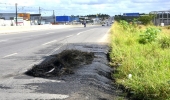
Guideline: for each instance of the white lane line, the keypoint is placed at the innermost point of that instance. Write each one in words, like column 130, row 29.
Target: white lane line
column 49, row 42
column 50, row 32
column 3, row 40
column 54, row 50
column 10, row 55
column 79, row 33
column 84, row 31
column 69, row 36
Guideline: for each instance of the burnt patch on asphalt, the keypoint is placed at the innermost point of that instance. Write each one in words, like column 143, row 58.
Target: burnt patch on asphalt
column 61, row 64
column 92, row 74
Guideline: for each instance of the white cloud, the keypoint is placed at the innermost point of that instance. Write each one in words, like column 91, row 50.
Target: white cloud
column 84, row 7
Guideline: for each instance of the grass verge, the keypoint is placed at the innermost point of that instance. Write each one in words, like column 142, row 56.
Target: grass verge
column 143, row 68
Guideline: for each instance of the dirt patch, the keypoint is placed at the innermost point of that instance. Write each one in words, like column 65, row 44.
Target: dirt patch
column 61, row 64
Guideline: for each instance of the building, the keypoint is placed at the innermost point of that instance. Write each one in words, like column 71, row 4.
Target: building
column 35, row 19
column 161, row 17
column 9, row 19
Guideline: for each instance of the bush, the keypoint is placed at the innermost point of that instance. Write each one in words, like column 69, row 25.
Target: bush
column 168, row 27
column 146, row 19
column 129, row 27
column 164, row 42
column 149, row 35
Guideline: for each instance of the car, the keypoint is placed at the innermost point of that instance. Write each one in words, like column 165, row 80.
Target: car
column 47, row 23
column 105, row 24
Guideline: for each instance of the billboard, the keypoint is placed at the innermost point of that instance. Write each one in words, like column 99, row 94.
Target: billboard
column 19, row 19
column 63, row 19
column 130, row 14
column 26, row 16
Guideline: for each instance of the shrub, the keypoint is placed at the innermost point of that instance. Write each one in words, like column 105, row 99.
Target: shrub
column 124, row 24
column 146, row 19
column 168, row 27
column 149, row 35
column 164, row 42
column 129, row 27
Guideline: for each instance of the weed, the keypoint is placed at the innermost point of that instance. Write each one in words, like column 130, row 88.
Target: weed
column 164, row 42
column 148, row 65
column 149, row 35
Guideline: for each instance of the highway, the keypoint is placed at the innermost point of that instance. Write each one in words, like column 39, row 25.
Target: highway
column 19, row 51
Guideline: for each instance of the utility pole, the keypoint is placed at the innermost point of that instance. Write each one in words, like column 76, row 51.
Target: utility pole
column 54, row 16
column 39, row 10
column 40, row 16
column 16, row 14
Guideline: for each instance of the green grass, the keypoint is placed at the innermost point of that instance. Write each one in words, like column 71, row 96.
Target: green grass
column 149, row 64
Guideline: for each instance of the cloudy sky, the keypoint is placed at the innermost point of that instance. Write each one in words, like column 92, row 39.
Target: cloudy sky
column 84, row 7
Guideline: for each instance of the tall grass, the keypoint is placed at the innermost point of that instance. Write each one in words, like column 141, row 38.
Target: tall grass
column 144, row 69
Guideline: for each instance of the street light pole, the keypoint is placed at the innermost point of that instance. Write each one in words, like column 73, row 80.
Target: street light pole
column 16, row 14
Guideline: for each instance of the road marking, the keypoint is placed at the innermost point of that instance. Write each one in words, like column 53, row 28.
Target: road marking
column 54, row 50
column 3, row 40
column 79, row 33
column 10, row 55
column 84, row 31
column 69, row 36
column 50, row 32
column 49, row 42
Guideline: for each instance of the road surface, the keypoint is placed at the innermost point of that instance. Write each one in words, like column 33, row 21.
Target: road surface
column 20, row 51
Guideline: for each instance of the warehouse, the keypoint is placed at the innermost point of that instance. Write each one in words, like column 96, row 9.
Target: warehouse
column 161, row 17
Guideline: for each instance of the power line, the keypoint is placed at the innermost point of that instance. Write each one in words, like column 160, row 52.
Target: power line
column 8, row 7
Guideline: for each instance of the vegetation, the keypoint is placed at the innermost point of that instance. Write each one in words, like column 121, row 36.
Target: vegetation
column 141, row 56
column 146, row 19
column 103, row 16
column 126, row 18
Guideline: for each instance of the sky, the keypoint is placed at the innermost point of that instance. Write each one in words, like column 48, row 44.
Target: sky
column 84, row 7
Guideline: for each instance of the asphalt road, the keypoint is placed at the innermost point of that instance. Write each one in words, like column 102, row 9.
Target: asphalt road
column 20, row 51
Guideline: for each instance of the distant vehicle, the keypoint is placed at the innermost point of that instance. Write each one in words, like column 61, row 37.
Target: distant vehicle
column 106, row 24
column 103, row 24
column 47, row 23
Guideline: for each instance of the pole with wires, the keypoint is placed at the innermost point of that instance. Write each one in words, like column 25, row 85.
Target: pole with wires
column 54, row 16
column 16, row 14
column 40, row 16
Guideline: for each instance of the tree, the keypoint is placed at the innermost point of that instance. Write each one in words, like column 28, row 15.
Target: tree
column 146, row 19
